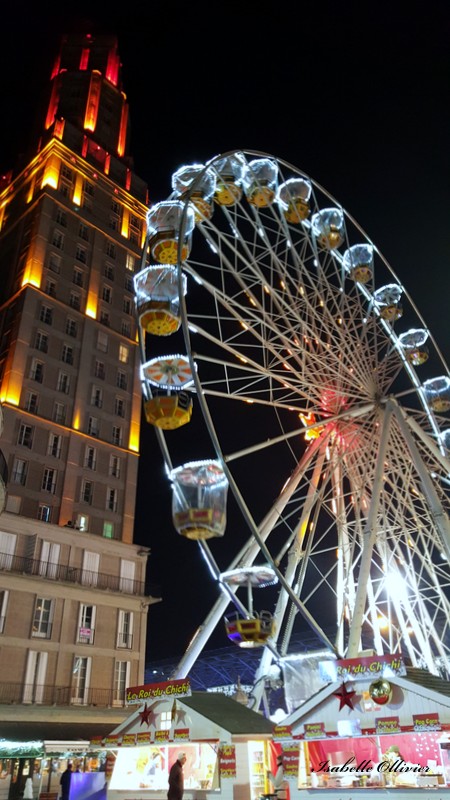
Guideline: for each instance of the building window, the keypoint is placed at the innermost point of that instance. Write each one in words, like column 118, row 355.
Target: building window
column 130, row 262
column 108, row 272
column 114, row 466
column 121, row 673
column 121, row 380
column 61, row 218
column 35, row 677
column 65, row 188
column 90, row 457
column 119, row 407
column 32, row 402
column 66, row 172
column 71, row 327
column 125, row 629
column 43, row 618
column 111, row 499
column 125, row 329
column 25, row 437
column 81, row 673
column 49, row 560
column 127, row 573
column 83, row 232
column 124, row 353
column 93, row 428
column 78, row 277
column 87, row 491
column 46, row 315
column 63, row 384
column 59, row 413
column 58, row 240
column 50, row 287
column 13, row 503
column 116, row 207
column 97, row 397
column 86, row 624
column 114, row 222
column 87, row 203
column 49, row 480
column 127, row 305
column 110, row 249
column 82, row 522
column 75, row 301
column 54, row 445
column 19, row 471
column 107, row 294
column 100, row 370
column 108, row 530
column 88, row 188
column 54, row 263
column 81, row 254
column 102, row 341
column 104, row 318
column 37, row 370
column 44, row 512
column 89, row 573
column 67, row 354
column 128, row 283
column 117, row 435
column 41, row 342
column 7, row 549
column 4, row 594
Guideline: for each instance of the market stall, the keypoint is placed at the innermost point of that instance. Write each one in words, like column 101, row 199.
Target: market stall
column 228, row 747
column 376, row 725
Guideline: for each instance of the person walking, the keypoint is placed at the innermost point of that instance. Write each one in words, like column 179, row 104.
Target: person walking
column 278, row 782
column 176, row 778
column 65, row 782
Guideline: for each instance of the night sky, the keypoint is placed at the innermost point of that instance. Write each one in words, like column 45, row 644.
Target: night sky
column 357, row 95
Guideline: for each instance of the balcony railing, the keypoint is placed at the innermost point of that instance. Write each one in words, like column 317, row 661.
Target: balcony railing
column 57, row 695
column 62, row 572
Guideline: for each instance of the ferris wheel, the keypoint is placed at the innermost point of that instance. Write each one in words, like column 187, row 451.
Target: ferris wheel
column 323, row 395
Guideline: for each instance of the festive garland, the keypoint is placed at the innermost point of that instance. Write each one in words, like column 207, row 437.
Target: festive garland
column 21, row 749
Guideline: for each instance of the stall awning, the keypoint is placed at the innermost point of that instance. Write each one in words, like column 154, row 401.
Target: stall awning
column 28, row 739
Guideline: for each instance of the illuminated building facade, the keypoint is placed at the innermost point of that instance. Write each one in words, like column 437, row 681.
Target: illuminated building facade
column 73, row 608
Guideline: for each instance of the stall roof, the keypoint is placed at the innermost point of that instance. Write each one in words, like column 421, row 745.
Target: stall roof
column 434, row 689
column 424, row 678
column 219, row 709
column 231, row 715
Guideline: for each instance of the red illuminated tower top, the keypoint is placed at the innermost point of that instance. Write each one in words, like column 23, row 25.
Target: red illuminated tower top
column 87, row 93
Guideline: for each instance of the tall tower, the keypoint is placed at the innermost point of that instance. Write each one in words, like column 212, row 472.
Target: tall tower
column 73, row 608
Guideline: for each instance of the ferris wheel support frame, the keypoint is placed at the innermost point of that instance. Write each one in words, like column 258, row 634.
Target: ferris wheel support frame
column 369, row 539
column 293, row 559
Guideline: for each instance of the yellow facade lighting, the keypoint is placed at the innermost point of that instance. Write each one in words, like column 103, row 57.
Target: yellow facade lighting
column 51, row 172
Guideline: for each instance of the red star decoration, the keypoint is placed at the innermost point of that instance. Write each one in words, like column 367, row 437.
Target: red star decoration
column 147, row 715
column 181, row 716
column 345, row 696
column 144, row 715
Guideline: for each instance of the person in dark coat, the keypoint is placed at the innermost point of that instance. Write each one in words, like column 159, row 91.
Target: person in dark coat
column 65, row 782
column 176, row 778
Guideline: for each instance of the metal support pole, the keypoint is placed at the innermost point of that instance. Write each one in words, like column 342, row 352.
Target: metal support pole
column 369, row 539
